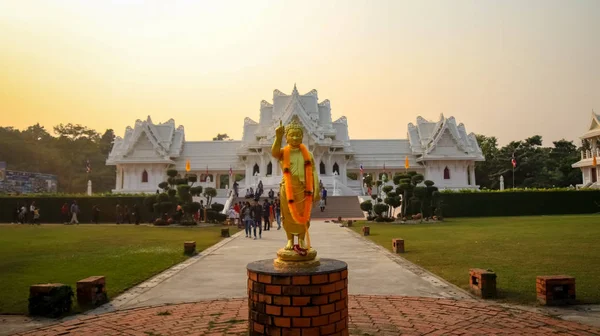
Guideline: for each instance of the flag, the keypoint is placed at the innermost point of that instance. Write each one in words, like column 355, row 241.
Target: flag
column 88, row 166
column 406, row 164
column 513, row 161
column 594, row 162
column 384, row 167
column 187, row 166
column 362, row 171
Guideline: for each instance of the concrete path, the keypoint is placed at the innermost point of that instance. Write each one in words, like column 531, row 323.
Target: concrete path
column 220, row 272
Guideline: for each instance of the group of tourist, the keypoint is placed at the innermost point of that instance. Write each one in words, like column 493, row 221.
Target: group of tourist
column 124, row 214
column 252, row 194
column 27, row 214
column 256, row 216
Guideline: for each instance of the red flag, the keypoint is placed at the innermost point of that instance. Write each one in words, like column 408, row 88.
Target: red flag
column 514, row 162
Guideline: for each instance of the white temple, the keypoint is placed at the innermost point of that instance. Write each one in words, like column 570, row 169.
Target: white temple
column 591, row 149
column 440, row 150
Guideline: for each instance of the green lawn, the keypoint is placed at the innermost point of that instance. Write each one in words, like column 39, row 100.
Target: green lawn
column 125, row 254
column 516, row 248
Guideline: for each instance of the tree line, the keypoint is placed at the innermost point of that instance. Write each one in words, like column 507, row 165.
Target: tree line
column 64, row 153
column 536, row 166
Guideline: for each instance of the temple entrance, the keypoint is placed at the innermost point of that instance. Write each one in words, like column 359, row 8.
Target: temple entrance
column 594, row 175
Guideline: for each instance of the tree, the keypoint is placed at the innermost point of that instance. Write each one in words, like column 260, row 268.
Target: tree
column 209, row 193
column 106, row 141
column 221, row 137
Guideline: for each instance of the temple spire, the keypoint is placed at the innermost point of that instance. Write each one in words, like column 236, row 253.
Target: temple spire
column 295, row 91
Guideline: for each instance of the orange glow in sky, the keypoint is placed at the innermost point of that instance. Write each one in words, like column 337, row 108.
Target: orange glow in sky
column 505, row 68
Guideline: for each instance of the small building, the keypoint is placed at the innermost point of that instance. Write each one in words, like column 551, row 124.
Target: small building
column 590, row 150
column 441, row 150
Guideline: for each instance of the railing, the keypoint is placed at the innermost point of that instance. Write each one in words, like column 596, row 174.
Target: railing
column 230, row 198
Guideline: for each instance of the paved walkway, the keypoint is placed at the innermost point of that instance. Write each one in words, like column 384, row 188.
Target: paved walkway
column 221, row 271
column 368, row 315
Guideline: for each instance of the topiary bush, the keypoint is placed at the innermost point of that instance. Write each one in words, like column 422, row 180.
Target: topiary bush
column 380, row 208
column 366, row 206
column 218, row 207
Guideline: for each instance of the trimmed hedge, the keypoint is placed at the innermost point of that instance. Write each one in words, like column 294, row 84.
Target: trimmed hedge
column 50, row 207
column 518, row 203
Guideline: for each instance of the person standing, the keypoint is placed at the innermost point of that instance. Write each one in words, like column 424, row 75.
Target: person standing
column 237, row 209
column 119, row 213
column 23, row 214
column 31, row 210
column 271, row 194
column 257, row 216
column 324, row 195
column 136, row 214
column 74, row 212
column 236, row 189
column 201, row 210
column 126, row 214
column 278, row 213
column 322, row 204
column 16, row 213
column 36, row 216
column 95, row 214
column 266, row 212
column 247, row 217
column 64, row 211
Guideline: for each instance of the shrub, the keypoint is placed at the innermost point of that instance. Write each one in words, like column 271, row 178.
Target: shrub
column 389, row 219
column 163, row 197
column 218, row 207
column 180, row 181
column 149, row 202
column 172, row 172
column 172, row 192
column 366, row 206
column 163, row 185
column 380, row 208
column 386, row 189
column 379, row 219
column 196, row 191
column 192, row 178
column 370, row 218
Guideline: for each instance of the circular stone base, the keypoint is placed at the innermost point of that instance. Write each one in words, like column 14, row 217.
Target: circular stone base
column 283, row 264
column 298, row 300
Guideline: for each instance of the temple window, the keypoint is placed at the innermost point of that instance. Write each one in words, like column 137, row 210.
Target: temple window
column 446, row 173
column 270, row 169
column 256, row 169
column 336, row 168
column 322, row 168
column 145, row 177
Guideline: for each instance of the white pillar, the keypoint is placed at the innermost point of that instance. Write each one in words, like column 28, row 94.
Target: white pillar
column 89, row 188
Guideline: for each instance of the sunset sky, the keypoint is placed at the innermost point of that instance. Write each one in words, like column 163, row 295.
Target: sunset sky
column 506, row 68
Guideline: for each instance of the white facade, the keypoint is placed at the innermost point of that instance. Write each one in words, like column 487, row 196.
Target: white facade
column 441, row 150
column 591, row 149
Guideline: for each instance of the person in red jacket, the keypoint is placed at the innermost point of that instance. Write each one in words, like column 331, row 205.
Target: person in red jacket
column 64, row 211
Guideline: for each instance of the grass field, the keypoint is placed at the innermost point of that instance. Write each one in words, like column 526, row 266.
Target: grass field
column 125, row 254
column 516, row 248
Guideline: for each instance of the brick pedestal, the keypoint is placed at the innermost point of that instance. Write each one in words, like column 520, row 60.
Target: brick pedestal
column 91, row 291
column 303, row 302
column 366, row 230
column 189, row 247
column 398, row 245
column 225, row 232
column 349, row 224
column 555, row 290
column 482, row 283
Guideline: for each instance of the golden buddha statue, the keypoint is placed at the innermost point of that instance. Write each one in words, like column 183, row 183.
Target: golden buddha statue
column 299, row 189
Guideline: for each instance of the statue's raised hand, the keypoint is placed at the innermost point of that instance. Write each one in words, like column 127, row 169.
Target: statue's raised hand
column 279, row 131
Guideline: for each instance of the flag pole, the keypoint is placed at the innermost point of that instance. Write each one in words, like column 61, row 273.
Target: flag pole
column 512, row 162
